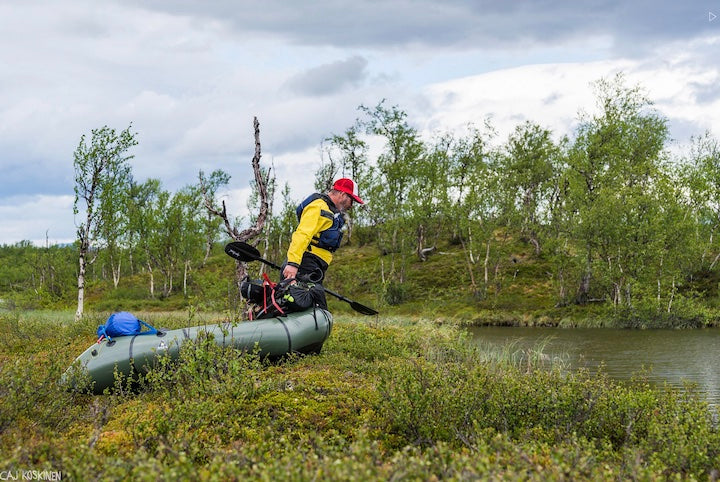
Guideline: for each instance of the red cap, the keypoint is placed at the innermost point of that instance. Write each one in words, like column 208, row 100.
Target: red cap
column 348, row 186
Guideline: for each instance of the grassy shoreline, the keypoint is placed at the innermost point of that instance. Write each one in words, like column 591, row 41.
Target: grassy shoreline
column 388, row 398
column 438, row 288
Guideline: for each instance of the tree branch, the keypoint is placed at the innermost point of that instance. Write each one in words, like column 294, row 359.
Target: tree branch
column 256, row 229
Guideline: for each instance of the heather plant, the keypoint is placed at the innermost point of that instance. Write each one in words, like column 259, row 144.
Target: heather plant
column 386, row 399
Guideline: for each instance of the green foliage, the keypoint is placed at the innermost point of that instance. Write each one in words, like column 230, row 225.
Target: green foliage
column 602, row 227
column 209, row 187
column 32, row 277
column 395, row 398
column 394, row 293
column 597, row 230
column 686, row 313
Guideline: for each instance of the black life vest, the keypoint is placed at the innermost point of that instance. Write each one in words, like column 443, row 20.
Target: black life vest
column 331, row 237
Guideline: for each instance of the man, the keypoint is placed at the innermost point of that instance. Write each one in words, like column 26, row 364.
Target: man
column 314, row 241
column 318, row 234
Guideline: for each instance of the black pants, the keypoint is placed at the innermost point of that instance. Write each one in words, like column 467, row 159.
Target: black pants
column 312, row 270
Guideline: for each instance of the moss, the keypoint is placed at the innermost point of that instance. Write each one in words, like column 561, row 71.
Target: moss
column 388, row 398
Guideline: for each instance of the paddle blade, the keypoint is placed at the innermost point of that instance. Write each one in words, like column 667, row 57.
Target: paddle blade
column 235, row 250
column 242, row 251
column 362, row 309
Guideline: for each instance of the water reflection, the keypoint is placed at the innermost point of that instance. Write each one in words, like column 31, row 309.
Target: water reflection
column 672, row 356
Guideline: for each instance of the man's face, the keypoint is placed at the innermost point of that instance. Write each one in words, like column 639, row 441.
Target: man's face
column 346, row 203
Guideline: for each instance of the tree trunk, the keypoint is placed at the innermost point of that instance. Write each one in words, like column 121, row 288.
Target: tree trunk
column 403, row 260
column 266, row 250
column 256, row 229
column 709, row 245
column 185, row 276
column 486, row 263
column 84, row 235
column 240, row 273
column 712, row 265
column 81, row 282
column 349, row 224
column 152, row 280
column 584, row 288
column 617, row 294
column 115, row 272
column 672, row 296
column 468, row 258
column 421, row 242
column 208, row 242
column 536, row 243
column 561, row 293
column 470, row 243
column 497, row 278
column 628, row 295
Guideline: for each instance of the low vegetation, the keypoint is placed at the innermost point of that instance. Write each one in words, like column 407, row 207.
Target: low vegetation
column 387, row 399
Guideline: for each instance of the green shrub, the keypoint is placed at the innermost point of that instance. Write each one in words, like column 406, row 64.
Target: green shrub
column 386, row 399
column 395, row 293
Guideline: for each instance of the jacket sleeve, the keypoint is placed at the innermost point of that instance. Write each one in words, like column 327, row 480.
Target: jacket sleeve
column 311, row 223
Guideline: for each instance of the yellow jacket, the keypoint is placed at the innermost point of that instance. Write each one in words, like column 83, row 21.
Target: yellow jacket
column 316, row 217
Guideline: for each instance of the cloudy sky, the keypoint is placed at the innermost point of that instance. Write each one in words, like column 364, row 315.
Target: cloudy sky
column 190, row 75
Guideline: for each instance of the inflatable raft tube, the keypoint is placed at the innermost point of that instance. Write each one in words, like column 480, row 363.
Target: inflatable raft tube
column 302, row 332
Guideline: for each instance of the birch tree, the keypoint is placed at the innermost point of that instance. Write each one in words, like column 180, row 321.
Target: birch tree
column 347, row 157
column 615, row 169
column 529, row 167
column 144, row 225
column 100, row 162
column 209, row 186
column 389, row 191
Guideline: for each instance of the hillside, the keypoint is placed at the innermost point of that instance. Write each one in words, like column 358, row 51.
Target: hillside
column 521, row 289
column 522, row 292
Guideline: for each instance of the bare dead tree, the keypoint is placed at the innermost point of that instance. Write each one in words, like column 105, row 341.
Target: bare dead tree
column 254, row 230
column 423, row 252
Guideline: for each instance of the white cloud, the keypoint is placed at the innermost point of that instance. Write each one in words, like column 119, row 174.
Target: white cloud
column 553, row 95
column 330, row 78
column 34, row 218
column 549, row 95
column 190, row 76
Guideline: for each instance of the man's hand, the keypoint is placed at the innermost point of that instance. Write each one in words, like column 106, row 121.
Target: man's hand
column 290, row 272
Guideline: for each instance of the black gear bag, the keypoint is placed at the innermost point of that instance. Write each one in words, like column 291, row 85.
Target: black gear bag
column 270, row 299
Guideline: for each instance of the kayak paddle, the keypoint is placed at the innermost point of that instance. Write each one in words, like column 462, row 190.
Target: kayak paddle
column 244, row 252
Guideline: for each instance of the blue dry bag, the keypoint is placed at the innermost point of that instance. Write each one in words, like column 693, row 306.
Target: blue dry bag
column 123, row 323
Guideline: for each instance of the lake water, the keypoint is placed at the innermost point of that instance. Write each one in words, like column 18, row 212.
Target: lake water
column 672, row 356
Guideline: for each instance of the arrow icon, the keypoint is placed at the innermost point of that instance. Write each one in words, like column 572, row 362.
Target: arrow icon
column 711, row 16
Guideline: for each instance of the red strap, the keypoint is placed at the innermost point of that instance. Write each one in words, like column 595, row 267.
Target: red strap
column 265, row 295
column 275, row 303
column 269, row 284
column 267, row 280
